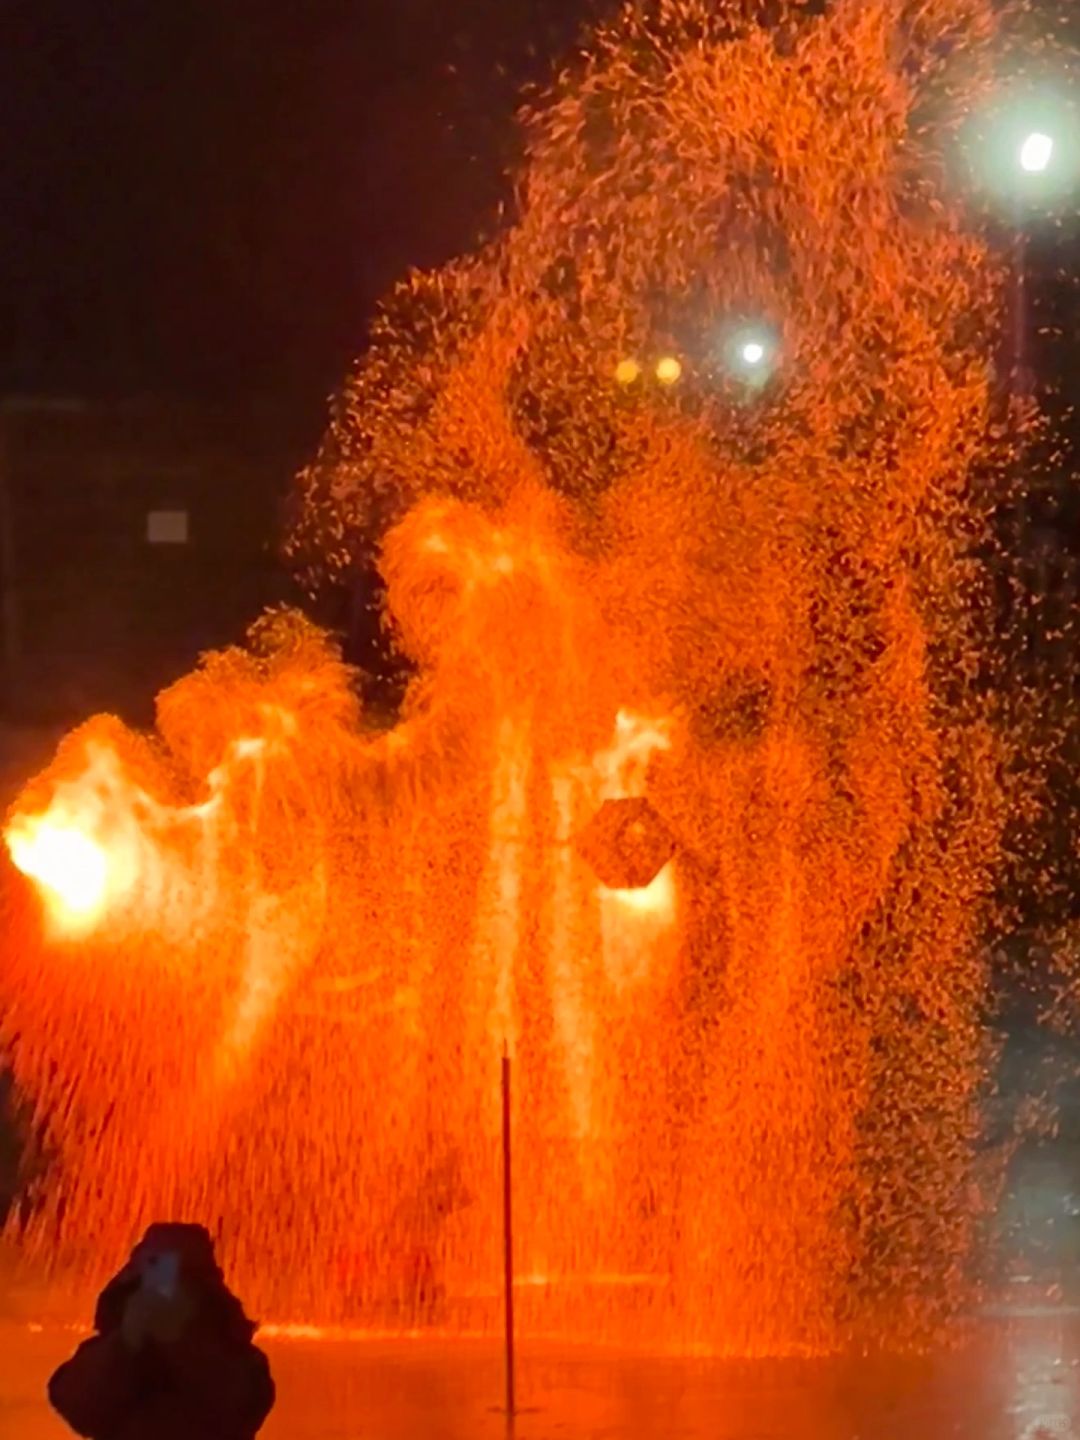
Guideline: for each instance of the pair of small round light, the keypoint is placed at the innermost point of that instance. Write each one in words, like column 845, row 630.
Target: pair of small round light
column 749, row 353
column 668, row 371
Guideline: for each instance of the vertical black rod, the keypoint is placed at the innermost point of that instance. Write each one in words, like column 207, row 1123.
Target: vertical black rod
column 1020, row 387
column 508, row 1237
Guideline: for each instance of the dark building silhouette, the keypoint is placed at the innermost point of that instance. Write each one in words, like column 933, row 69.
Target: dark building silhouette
column 133, row 536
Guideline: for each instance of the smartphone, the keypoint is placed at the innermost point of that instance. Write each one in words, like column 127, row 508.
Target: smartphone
column 161, row 1273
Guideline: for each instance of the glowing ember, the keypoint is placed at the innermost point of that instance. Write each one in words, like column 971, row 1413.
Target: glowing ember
column 748, row 1065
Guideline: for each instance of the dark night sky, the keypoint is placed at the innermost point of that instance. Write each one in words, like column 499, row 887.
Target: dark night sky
column 209, row 197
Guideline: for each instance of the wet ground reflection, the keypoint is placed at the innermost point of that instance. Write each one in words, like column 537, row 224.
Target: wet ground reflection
column 1017, row 1379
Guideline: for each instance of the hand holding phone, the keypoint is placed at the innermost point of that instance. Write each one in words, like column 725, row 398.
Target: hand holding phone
column 161, row 1273
column 161, row 1307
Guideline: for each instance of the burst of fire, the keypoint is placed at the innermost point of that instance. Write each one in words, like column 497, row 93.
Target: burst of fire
column 102, row 843
column 70, row 865
column 83, row 848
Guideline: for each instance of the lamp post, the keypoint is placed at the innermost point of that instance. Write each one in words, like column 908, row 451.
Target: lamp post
column 1034, row 158
column 1023, row 154
column 1031, row 160
column 1030, row 156
column 751, row 353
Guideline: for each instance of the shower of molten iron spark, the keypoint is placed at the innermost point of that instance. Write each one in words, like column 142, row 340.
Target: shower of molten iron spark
column 755, row 1077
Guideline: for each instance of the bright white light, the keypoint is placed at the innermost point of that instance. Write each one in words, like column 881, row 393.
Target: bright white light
column 71, row 865
column 1036, row 153
column 751, row 353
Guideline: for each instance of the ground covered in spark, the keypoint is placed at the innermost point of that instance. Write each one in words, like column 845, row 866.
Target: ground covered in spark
column 1017, row 1379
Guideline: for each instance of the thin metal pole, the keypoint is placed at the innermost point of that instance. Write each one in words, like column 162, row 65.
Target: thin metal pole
column 1021, row 378
column 508, row 1237
column 1020, row 387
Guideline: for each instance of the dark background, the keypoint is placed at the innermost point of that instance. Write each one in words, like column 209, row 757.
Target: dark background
column 208, row 198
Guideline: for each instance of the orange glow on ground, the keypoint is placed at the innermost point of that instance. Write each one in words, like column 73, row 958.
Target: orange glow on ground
column 756, row 1078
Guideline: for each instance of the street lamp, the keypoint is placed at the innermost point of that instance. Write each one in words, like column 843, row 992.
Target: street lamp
column 751, row 353
column 1037, row 153
column 1023, row 153
column 1042, row 172
column 1023, row 148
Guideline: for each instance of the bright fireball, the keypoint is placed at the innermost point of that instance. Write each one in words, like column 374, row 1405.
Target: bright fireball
column 67, row 863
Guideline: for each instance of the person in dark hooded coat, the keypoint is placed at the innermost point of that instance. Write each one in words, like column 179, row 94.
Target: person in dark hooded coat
column 172, row 1357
